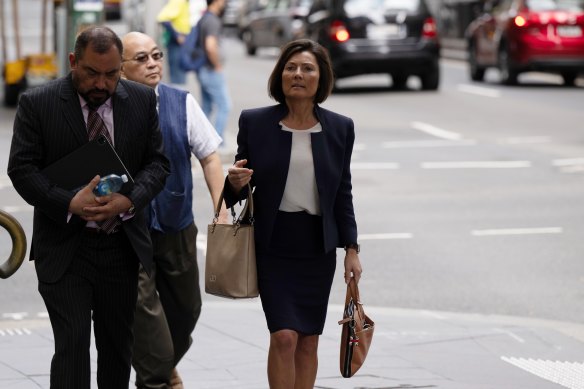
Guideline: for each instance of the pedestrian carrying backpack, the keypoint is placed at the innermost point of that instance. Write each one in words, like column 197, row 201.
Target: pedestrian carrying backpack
column 192, row 52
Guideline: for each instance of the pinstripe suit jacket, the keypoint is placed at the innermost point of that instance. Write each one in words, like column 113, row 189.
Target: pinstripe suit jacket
column 49, row 124
column 267, row 148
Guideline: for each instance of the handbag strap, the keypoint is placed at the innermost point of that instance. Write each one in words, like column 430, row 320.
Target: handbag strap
column 247, row 208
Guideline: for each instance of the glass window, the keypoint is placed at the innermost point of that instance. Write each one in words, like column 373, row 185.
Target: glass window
column 553, row 5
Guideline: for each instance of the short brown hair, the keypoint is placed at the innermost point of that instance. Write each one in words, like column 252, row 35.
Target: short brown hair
column 326, row 80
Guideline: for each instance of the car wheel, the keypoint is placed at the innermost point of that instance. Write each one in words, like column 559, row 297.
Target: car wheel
column 247, row 37
column 477, row 73
column 508, row 73
column 431, row 80
column 399, row 80
column 569, row 78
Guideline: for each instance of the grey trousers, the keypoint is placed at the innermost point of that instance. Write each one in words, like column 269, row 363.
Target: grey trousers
column 168, row 307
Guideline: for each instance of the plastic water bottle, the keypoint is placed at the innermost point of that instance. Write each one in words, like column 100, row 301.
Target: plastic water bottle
column 110, row 184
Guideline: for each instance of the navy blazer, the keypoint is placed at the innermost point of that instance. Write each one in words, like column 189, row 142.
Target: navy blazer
column 49, row 124
column 268, row 148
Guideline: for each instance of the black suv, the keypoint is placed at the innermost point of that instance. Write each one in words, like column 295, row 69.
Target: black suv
column 395, row 37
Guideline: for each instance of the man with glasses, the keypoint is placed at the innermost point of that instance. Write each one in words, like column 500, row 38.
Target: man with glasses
column 86, row 271
column 169, row 301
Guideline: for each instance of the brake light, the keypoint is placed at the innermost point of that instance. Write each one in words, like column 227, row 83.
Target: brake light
column 429, row 29
column 339, row 32
column 520, row 21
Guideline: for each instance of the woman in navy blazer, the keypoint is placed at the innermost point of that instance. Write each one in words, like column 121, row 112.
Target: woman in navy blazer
column 297, row 156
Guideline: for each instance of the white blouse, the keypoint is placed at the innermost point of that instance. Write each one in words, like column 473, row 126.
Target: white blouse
column 301, row 193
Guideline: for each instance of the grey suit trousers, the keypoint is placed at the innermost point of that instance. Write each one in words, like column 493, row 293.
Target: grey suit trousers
column 168, row 307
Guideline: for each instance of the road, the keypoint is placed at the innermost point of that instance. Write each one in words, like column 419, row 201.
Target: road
column 468, row 199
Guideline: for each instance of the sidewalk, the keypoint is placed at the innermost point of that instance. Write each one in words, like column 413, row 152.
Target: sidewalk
column 410, row 349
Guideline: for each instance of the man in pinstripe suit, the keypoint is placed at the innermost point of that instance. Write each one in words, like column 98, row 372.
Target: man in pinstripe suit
column 85, row 272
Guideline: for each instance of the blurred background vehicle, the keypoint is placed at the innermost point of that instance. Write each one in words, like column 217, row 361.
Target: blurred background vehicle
column 395, row 37
column 273, row 23
column 232, row 12
column 517, row 36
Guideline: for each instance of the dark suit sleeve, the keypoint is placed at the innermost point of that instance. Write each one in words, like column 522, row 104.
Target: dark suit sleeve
column 27, row 155
column 343, row 207
column 231, row 198
column 149, row 181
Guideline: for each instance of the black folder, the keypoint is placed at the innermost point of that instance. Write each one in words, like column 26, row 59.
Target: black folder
column 75, row 170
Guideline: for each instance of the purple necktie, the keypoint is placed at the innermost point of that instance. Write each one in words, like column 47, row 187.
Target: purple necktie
column 96, row 127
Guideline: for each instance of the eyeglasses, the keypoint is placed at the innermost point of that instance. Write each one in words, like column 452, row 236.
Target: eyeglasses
column 143, row 57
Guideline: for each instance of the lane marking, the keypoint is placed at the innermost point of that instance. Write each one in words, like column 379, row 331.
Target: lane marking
column 476, row 165
column 510, row 334
column 14, row 315
column 568, row 162
column 374, row 166
column 18, row 208
column 567, row 374
column 386, row 236
column 479, row 90
column 518, row 231
column 435, row 131
column 526, row 140
column 427, row 143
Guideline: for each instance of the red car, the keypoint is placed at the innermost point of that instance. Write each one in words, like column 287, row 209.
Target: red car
column 528, row 35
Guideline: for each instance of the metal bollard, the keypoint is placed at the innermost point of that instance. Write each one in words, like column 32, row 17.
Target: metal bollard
column 18, row 245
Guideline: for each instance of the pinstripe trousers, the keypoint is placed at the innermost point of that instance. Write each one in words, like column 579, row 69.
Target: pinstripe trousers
column 100, row 284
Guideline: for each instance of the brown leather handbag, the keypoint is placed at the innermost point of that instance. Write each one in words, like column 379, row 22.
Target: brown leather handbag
column 230, row 263
column 357, row 332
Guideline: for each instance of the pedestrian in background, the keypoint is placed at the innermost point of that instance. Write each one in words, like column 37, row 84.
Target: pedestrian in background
column 87, row 271
column 297, row 156
column 214, row 93
column 169, row 300
column 176, row 22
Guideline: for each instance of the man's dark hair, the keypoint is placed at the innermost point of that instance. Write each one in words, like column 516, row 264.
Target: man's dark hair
column 100, row 38
column 325, row 82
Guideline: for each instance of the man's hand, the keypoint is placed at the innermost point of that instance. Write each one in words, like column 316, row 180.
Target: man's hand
column 91, row 208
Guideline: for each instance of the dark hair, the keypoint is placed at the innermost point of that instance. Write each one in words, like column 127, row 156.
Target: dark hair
column 325, row 82
column 100, row 38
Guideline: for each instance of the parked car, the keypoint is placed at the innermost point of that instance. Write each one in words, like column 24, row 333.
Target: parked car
column 528, row 35
column 395, row 37
column 273, row 25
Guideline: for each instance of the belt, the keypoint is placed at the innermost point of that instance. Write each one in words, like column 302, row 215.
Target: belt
column 97, row 231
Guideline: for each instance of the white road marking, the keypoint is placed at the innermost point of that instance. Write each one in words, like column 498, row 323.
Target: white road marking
column 526, row 140
column 14, row 315
column 479, row 90
column 374, row 166
column 517, row 231
column 386, row 236
column 18, row 208
column 568, row 162
column 511, row 335
column 427, row 143
column 476, row 165
column 435, row 131
column 567, row 374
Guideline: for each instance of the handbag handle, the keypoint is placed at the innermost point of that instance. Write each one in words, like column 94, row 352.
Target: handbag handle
column 248, row 206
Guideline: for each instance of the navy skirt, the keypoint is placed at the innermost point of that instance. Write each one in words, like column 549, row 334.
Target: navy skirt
column 295, row 275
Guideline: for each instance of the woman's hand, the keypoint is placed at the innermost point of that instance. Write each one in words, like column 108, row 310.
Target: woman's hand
column 238, row 175
column 352, row 266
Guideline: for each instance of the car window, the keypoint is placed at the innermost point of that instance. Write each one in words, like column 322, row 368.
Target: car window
column 552, row 5
column 359, row 7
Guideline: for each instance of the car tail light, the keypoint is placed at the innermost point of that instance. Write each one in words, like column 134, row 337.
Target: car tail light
column 429, row 29
column 339, row 32
column 520, row 21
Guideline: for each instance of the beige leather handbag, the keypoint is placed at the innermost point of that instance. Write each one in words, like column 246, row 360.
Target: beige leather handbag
column 230, row 265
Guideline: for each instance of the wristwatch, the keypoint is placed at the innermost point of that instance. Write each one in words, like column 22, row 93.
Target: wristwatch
column 355, row 246
column 131, row 210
